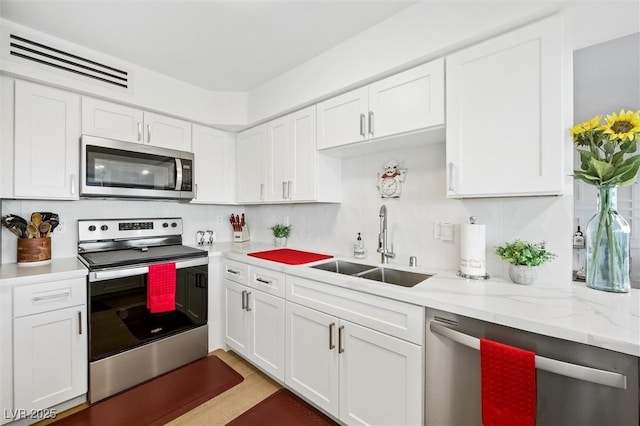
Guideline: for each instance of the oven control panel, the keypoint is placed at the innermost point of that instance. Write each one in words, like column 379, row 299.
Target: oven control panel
column 112, row 229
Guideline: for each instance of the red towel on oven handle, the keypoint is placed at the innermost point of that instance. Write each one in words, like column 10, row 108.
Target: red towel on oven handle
column 161, row 287
column 508, row 385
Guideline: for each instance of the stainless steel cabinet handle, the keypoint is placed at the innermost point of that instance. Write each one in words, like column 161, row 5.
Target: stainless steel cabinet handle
column 195, row 191
column 362, row 125
column 233, row 271
column 331, row 327
column 580, row 372
column 371, row 123
column 452, row 177
column 263, row 281
column 51, row 296
column 73, row 184
column 244, row 300
column 340, row 343
column 80, row 323
column 139, row 131
column 262, row 191
column 289, row 183
column 284, row 190
column 248, row 294
column 148, row 133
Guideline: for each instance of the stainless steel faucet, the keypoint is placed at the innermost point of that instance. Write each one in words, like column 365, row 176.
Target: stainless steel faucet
column 385, row 253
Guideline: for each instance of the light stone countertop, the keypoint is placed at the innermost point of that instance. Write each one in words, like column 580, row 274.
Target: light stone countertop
column 59, row 269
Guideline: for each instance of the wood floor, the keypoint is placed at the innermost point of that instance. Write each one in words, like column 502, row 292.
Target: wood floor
column 255, row 387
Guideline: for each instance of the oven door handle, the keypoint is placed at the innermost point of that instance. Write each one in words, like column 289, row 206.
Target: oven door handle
column 140, row 270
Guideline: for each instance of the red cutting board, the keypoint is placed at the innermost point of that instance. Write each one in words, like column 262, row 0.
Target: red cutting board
column 290, row 256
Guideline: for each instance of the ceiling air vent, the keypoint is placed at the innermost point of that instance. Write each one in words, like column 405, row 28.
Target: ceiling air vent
column 56, row 58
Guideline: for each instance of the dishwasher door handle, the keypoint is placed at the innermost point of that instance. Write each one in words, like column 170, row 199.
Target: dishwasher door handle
column 580, row 372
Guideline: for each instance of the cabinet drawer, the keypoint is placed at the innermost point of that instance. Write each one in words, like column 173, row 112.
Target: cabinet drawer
column 388, row 316
column 269, row 281
column 236, row 271
column 44, row 297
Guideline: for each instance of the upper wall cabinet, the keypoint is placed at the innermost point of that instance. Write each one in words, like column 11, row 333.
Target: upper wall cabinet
column 46, row 142
column 505, row 134
column 214, row 170
column 115, row 121
column 278, row 162
column 404, row 102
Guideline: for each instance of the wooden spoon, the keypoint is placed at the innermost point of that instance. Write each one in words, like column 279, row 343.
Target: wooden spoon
column 33, row 231
column 36, row 219
column 44, row 229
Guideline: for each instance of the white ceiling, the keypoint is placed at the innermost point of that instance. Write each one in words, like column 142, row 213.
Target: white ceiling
column 218, row 45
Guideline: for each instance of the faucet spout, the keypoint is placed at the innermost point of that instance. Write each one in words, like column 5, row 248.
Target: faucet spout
column 385, row 253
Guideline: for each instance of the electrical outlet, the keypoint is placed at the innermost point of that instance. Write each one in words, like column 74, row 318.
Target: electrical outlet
column 219, row 220
column 285, row 220
column 62, row 227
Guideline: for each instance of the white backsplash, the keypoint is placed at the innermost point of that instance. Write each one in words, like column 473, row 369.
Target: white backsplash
column 334, row 227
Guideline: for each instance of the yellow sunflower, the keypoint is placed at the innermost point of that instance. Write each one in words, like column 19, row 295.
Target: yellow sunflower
column 623, row 126
column 592, row 124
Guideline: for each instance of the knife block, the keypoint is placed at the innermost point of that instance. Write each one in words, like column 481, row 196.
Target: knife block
column 241, row 236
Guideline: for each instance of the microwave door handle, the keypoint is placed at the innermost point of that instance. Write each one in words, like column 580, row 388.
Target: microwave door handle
column 178, row 174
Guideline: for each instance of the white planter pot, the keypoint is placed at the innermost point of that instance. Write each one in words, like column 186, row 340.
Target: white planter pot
column 522, row 274
column 280, row 241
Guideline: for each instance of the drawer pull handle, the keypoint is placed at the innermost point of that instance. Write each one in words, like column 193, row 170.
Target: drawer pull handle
column 248, row 294
column 80, row 323
column 232, row 271
column 51, row 296
column 340, row 342
column 371, row 123
column 244, row 300
column 331, row 344
column 362, row 118
column 263, row 281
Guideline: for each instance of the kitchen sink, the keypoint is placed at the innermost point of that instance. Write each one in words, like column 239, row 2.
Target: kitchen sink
column 344, row 267
column 376, row 273
column 395, row 276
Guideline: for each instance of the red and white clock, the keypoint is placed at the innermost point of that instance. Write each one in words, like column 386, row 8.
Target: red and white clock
column 390, row 182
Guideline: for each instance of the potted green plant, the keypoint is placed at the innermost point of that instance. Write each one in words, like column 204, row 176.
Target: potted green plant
column 524, row 258
column 281, row 233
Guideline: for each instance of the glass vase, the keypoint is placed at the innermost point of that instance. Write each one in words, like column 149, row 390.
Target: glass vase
column 608, row 245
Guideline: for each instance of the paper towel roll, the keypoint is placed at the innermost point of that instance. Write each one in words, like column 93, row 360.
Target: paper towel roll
column 472, row 250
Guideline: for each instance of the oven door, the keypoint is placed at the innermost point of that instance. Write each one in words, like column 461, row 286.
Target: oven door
column 120, row 319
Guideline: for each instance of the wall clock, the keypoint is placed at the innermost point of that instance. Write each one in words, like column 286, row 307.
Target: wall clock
column 390, row 181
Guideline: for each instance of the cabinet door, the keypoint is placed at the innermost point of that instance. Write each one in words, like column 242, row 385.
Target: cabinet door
column 380, row 378
column 47, row 142
column 302, row 183
column 312, row 356
column 279, row 153
column 109, row 120
column 251, row 164
column 504, row 115
column 407, row 101
column 214, row 168
column 267, row 332
column 50, row 358
column 236, row 324
column 343, row 119
column 167, row 132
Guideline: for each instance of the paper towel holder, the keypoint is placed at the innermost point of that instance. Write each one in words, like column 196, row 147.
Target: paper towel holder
column 472, row 220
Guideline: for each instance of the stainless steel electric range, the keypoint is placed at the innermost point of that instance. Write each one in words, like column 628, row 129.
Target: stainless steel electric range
column 127, row 343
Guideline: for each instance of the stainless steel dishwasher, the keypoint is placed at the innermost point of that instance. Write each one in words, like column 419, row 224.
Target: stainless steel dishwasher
column 576, row 384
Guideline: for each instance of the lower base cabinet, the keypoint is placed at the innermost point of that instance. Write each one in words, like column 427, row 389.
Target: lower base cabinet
column 359, row 375
column 254, row 326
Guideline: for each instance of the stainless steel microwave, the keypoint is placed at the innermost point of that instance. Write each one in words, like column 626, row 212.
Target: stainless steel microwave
column 116, row 169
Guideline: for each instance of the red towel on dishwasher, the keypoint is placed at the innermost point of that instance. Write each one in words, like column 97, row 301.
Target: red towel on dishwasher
column 508, row 385
column 161, row 287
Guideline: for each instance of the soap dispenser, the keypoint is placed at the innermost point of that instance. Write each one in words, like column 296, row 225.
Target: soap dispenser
column 358, row 248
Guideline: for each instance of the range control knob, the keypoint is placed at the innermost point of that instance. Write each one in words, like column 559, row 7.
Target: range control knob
column 174, row 225
column 92, row 228
column 104, row 227
column 165, row 225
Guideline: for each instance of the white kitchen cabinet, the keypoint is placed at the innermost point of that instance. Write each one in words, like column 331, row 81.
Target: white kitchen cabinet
column 334, row 358
column 214, row 169
column 50, row 360
column 115, row 121
column 505, row 97
column 46, row 142
column 405, row 102
column 254, row 319
column 281, row 163
column 251, row 165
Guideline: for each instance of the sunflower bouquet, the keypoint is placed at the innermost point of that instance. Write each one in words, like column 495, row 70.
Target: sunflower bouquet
column 607, row 161
column 604, row 148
